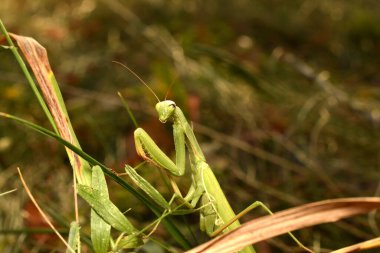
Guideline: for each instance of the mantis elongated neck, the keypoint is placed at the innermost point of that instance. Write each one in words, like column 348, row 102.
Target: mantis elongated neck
column 191, row 141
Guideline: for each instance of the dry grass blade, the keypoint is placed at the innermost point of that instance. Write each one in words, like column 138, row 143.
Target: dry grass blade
column 42, row 212
column 37, row 58
column 370, row 244
column 289, row 220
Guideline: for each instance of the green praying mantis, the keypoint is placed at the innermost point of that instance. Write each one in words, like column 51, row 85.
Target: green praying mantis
column 204, row 188
column 216, row 214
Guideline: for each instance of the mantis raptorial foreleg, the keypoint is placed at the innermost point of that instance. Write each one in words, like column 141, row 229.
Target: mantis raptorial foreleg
column 216, row 214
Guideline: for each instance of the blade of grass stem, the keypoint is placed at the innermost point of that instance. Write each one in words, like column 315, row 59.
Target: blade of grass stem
column 37, row 58
column 130, row 113
column 100, row 230
column 25, row 70
column 168, row 222
column 42, row 212
column 73, row 239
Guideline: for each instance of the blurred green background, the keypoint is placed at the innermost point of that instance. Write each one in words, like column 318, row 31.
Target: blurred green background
column 284, row 98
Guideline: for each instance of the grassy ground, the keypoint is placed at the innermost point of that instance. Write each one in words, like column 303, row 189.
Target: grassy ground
column 294, row 87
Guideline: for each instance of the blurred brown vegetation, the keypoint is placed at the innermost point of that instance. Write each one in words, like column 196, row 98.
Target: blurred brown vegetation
column 284, row 98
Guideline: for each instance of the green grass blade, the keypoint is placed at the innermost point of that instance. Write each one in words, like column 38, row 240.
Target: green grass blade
column 78, row 151
column 7, row 192
column 130, row 113
column 128, row 242
column 168, row 223
column 73, row 240
column 100, row 230
column 28, row 76
column 146, row 187
column 106, row 209
column 52, row 102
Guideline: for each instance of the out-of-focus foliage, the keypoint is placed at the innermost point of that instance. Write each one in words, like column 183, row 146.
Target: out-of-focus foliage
column 285, row 97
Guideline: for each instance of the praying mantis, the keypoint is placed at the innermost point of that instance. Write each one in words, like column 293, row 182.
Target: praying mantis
column 204, row 188
column 216, row 214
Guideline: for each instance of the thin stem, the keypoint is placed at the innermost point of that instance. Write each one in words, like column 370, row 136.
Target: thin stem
column 31, row 82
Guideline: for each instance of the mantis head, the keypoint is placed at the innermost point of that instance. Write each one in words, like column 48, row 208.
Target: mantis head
column 165, row 110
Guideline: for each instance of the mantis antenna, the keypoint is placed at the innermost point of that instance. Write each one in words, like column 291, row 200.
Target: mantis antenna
column 141, row 80
column 170, row 86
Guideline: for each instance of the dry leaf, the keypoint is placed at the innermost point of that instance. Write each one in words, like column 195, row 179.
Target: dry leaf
column 37, row 57
column 289, row 220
